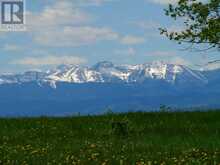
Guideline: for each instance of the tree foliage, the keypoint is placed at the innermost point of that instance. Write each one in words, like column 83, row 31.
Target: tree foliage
column 201, row 21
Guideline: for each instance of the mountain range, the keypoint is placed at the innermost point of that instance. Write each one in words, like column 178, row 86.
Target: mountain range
column 107, row 72
column 70, row 89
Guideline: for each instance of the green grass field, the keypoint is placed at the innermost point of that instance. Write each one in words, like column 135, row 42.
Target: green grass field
column 123, row 139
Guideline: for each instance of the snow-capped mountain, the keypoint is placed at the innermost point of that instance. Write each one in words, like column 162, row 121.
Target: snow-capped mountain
column 69, row 89
column 107, row 72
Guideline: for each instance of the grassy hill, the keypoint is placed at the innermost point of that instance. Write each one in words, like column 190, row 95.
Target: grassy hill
column 124, row 139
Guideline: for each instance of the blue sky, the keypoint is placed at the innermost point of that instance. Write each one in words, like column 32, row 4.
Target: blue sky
column 88, row 31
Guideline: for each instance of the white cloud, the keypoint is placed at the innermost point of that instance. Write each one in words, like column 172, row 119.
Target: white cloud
column 92, row 2
column 129, row 52
column 11, row 47
column 132, row 40
column 49, row 60
column 75, row 36
column 65, row 25
column 60, row 13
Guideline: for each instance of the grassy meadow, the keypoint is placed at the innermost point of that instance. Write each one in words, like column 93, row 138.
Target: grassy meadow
column 113, row 139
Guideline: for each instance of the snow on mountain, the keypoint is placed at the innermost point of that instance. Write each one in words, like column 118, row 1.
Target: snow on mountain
column 107, row 72
column 76, row 75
